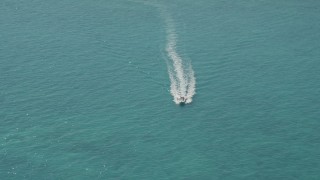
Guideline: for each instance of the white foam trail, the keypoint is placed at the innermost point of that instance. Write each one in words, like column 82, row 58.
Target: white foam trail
column 173, row 88
column 183, row 81
column 191, row 85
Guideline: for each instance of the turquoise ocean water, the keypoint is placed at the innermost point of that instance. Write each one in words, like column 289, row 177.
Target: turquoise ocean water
column 85, row 90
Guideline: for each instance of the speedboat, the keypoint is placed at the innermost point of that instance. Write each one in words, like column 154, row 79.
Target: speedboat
column 182, row 100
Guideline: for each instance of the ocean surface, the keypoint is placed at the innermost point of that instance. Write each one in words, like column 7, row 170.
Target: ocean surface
column 88, row 89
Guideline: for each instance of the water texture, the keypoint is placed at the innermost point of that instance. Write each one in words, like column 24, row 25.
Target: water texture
column 86, row 89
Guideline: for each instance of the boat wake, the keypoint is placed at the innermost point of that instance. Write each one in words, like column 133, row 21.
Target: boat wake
column 181, row 74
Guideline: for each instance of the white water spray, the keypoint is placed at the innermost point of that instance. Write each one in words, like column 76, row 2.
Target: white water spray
column 181, row 74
